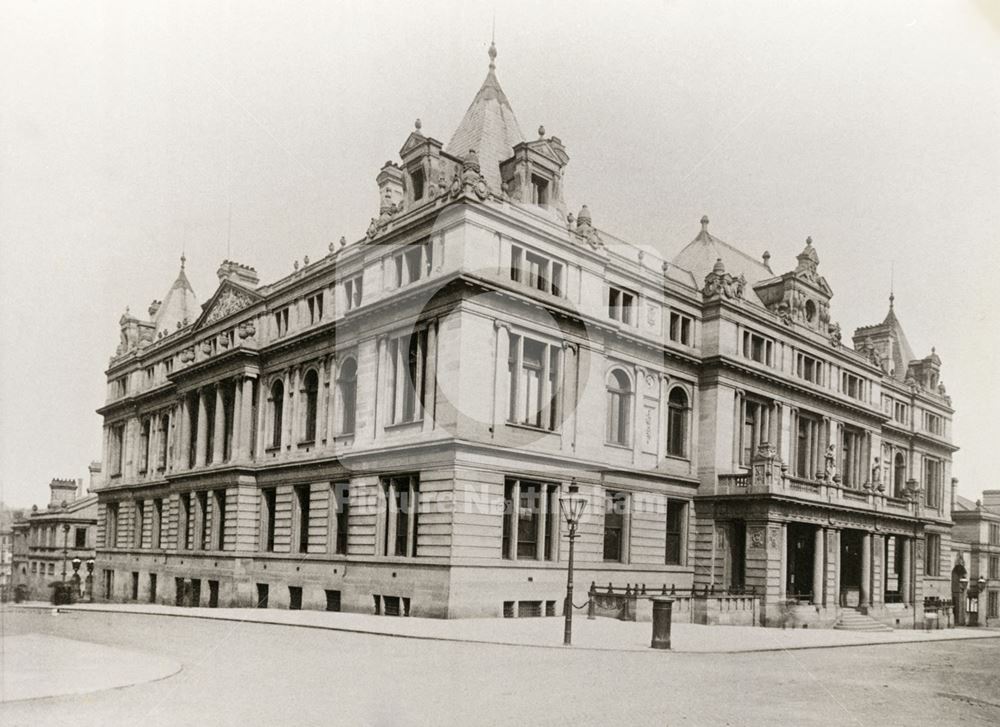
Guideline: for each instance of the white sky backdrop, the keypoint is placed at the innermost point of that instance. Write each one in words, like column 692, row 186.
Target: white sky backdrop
column 127, row 129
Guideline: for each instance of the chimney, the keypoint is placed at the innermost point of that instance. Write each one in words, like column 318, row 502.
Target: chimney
column 240, row 274
column 991, row 500
column 95, row 475
column 61, row 491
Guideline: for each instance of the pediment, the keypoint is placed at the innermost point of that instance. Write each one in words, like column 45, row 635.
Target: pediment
column 228, row 299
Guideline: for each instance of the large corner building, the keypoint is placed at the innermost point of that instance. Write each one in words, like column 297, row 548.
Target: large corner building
column 389, row 428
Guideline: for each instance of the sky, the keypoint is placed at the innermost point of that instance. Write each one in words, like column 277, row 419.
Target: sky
column 133, row 132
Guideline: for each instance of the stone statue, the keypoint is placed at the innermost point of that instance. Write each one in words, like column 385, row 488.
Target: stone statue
column 830, row 470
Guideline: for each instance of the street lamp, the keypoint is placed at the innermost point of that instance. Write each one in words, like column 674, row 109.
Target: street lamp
column 65, row 549
column 572, row 507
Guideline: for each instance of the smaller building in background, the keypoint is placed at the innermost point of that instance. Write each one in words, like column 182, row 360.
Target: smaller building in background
column 6, row 551
column 976, row 575
column 47, row 541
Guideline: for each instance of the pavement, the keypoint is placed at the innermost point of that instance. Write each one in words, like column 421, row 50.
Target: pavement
column 41, row 665
column 602, row 634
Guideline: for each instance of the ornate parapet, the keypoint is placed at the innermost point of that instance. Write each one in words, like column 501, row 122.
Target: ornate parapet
column 720, row 284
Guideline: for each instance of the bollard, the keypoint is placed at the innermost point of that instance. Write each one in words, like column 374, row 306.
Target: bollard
column 663, row 608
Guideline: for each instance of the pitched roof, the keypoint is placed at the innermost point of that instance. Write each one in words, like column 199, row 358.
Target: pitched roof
column 180, row 306
column 489, row 126
column 699, row 257
column 900, row 352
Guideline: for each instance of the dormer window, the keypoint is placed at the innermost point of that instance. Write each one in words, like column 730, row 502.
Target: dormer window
column 352, row 291
column 539, row 190
column 417, row 183
column 315, row 303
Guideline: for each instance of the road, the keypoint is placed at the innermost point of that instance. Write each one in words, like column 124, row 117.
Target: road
column 254, row 674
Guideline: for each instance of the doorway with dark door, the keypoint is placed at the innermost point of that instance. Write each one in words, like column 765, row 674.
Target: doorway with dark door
column 801, row 549
column 851, row 548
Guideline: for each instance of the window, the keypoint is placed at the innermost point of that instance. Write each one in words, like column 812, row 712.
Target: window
column 677, row 422
column 899, row 475
column 347, row 388
column 933, row 480
column 164, row 430
column 281, row 322
column 417, row 183
column 675, row 532
column 621, row 305
column 168, row 366
column 530, row 520
column 533, row 370
column 202, row 534
column 119, row 387
column 353, row 288
column 994, row 566
column 539, row 190
column 116, row 452
column 536, row 271
column 993, row 604
column 218, row 519
column 994, row 534
column 340, row 509
column 80, row 538
column 755, row 428
column 137, row 523
column 150, row 372
column 933, row 423
column 315, row 305
column 400, row 518
column 758, row 348
column 407, row 364
column 853, row 386
column 619, row 389
column 183, row 521
column 300, row 518
column 809, row 368
column 900, row 412
column 932, row 552
column 156, row 532
column 310, row 391
column 111, row 526
column 615, row 507
column 413, row 263
column 807, row 446
column 852, row 468
column 277, row 411
column 680, row 328
column 268, row 500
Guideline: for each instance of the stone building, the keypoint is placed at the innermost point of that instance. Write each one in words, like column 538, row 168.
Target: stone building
column 976, row 575
column 389, row 428
column 46, row 541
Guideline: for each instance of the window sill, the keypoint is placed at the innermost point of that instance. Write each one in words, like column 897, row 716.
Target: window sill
column 412, row 424
column 347, row 437
column 306, row 443
column 532, row 428
column 617, row 445
column 677, row 458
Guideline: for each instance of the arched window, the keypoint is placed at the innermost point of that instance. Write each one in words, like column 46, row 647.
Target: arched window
column 677, row 422
column 310, row 388
column 899, row 475
column 619, row 407
column 347, row 390
column 277, row 411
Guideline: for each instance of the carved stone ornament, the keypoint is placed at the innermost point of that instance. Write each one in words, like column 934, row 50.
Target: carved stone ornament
column 247, row 329
column 756, row 537
column 230, row 301
column 835, row 334
column 470, row 178
column 586, row 230
column 206, row 347
column 720, row 284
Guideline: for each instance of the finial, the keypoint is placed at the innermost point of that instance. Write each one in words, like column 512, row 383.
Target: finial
column 809, row 241
column 417, row 124
column 767, row 258
column 343, row 241
column 704, row 223
column 305, row 260
column 933, row 350
column 295, row 265
column 183, row 260
column 892, row 283
column 330, row 247
column 493, row 55
column 541, row 131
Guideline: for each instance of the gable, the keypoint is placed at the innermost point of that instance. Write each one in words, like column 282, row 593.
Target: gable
column 228, row 299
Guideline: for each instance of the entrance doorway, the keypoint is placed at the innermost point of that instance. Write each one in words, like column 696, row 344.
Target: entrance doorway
column 737, row 555
column 850, row 568
column 213, row 594
column 801, row 548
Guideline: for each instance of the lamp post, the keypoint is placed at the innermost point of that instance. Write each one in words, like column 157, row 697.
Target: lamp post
column 65, row 549
column 90, row 579
column 572, row 507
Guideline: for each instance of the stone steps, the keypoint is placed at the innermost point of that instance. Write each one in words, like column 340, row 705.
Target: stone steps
column 856, row 621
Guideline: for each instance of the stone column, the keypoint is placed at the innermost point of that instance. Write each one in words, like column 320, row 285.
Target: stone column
column 783, row 583
column 331, row 406
column 236, row 435
column 819, row 561
column 904, row 576
column 246, row 419
column 261, row 443
column 399, row 384
column 501, row 382
column 411, row 520
column 543, row 511
column 219, row 427
column 380, row 408
column 171, row 436
column 201, row 444
column 184, row 436
column 287, row 415
column 866, row 569
column 320, row 427
column 390, row 517
column 430, row 377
